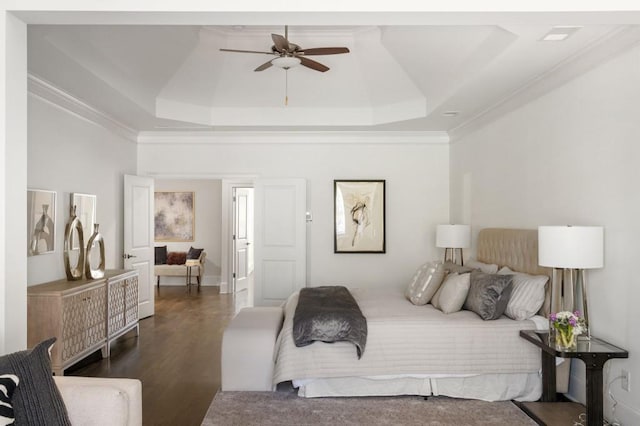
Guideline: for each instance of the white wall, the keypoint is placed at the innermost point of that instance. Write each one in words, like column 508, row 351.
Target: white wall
column 570, row 157
column 13, row 157
column 68, row 154
column 208, row 211
column 417, row 191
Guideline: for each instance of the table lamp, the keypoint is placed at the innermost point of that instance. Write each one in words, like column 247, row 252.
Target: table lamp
column 452, row 238
column 573, row 249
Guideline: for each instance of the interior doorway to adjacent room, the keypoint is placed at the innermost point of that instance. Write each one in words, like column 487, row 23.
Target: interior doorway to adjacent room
column 242, row 240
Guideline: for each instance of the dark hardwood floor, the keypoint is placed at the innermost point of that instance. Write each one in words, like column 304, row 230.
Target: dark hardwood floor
column 177, row 355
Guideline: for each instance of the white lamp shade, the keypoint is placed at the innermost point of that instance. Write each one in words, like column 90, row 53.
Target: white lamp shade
column 575, row 247
column 286, row 62
column 453, row 236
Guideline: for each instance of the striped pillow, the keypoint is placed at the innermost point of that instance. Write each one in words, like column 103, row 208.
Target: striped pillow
column 527, row 296
column 8, row 384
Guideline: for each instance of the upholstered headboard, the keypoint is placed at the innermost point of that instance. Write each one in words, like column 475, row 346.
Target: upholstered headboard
column 516, row 249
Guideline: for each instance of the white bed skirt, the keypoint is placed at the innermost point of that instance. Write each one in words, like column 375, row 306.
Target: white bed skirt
column 487, row 387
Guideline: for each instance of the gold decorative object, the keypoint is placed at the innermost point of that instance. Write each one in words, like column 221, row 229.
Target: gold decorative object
column 76, row 272
column 96, row 238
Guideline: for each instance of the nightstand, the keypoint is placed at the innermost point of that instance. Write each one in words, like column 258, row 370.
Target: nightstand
column 594, row 353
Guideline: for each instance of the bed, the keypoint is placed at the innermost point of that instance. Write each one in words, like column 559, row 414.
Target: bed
column 418, row 350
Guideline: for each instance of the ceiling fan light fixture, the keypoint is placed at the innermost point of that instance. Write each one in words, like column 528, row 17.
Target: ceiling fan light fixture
column 286, row 62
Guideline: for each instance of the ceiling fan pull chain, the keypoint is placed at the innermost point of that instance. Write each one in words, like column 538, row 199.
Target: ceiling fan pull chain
column 286, row 87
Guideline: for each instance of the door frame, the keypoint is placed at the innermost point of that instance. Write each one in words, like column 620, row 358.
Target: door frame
column 226, row 261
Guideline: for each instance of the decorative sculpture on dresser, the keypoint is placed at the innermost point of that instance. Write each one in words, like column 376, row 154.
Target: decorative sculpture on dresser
column 96, row 238
column 76, row 272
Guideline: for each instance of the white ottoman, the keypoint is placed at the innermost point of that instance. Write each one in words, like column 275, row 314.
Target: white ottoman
column 247, row 349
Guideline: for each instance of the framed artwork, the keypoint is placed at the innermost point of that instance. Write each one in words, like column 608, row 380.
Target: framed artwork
column 359, row 210
column 41, row 222
column 174, row 216
column 85, row 212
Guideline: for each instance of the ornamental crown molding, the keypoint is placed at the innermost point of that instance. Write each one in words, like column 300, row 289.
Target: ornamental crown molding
column 294, row 137
column 63, row 100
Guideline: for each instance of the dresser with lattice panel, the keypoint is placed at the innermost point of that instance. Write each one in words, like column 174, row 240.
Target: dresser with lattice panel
column 77, row 314
column 122, row 289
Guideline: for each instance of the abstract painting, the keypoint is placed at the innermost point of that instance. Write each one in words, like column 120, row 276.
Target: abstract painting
column 174, row 216
column 359, row 209
column 41, row 222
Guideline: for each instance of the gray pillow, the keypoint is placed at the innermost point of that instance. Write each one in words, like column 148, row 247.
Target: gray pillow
column 454, row 267
column 36, row 400
column 487, row 268
column 489, row 294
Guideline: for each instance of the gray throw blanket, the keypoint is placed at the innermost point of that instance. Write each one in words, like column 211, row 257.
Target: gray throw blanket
column 329, row 314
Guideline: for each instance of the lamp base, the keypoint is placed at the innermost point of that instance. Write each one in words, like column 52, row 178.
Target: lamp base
column 450, row 255
column 569, row 293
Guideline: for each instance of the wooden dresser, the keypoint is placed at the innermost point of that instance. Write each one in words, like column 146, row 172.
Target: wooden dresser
column 84, row 315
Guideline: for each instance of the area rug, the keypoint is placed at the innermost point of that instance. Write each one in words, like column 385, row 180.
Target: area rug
column 283, row 408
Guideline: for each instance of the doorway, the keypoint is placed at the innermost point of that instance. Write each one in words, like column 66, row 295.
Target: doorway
column 229, row 263
column 242, row 241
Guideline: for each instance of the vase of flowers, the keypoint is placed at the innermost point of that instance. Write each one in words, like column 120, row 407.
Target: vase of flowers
column 567, row 326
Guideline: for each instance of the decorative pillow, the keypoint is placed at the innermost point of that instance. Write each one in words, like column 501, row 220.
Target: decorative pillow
column 425, row 283
column 161, row 255
column 37, row 400
column 194, row 253
column 8, row 383
column 527, row 296
column 487, row 268
column 176, row 258
column 454, row 267
column 489, row 294
column 452, row 293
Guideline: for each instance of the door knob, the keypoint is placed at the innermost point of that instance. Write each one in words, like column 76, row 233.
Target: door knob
column 128, row 256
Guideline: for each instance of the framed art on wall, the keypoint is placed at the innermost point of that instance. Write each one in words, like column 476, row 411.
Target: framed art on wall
column 41, row 221
column 85, row 212
column 174, row 216
column 359, row 212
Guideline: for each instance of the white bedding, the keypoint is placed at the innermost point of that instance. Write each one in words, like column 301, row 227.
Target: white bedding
column 405, row 341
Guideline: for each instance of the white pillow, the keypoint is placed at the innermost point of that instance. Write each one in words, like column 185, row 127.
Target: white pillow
column 527, row 296
column 452, row 293
column 487, row 268
column 425, row 283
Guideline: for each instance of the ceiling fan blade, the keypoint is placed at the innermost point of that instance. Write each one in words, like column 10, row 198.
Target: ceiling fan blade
column 264, row 66
column 281, row 43
column 245, row 51
column 309, row 63
column 324, row 51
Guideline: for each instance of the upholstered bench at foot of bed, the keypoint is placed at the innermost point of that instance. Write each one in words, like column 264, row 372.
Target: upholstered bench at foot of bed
column 248, row 349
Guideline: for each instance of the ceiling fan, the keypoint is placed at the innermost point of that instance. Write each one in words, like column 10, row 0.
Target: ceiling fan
column 288, row 54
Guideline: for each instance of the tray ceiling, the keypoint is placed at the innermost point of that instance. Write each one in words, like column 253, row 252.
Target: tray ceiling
column 435, row 77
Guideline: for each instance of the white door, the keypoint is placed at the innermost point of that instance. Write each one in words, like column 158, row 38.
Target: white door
column 242, row 237
column 139, row 238
column 280, row 239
